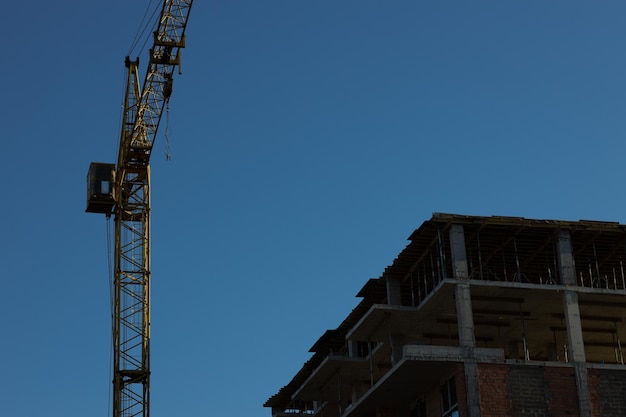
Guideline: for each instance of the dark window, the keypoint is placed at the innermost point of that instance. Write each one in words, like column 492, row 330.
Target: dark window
column 449, row 406
column 363, row 349
column 105, row 187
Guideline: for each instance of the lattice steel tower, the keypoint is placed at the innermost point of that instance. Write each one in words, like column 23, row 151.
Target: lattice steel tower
column 124, row 191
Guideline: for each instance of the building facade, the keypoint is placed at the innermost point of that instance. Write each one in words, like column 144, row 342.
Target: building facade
column 479, row 316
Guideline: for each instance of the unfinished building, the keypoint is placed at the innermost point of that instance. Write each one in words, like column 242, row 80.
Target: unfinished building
column 479, row 316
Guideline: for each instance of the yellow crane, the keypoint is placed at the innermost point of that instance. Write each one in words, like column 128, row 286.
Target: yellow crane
column 123, row 189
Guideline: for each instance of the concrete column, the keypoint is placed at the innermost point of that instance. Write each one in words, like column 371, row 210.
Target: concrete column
column 471, row 388
column 459, row 256
column 465, row 317
column 574, row 327
column 571, row 310
column 394, row 292
column 570, row 297
column 352, row 348
column 467, row 340
column 577, row 350
column 584, row 398
column 565, row 258
column 463, row 297
column 397, row 343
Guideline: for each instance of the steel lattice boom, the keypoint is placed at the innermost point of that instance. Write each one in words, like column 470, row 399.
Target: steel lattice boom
column 124, row 190
column 144, row 115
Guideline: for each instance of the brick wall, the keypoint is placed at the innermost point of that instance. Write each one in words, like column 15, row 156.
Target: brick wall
column 494, row 390
column 536, row 391
column 562, row 391
column 608, row 392
column 527, row 391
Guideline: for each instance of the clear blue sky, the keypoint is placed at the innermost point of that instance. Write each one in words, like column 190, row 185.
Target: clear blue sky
column 309, row 139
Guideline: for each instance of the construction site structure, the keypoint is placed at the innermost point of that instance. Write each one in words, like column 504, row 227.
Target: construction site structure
column 123, row 189
column 479, row 316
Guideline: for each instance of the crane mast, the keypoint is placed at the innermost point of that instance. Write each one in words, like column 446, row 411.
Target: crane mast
column 124, row 191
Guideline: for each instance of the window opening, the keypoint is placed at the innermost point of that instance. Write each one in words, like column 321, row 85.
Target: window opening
column 449, row 405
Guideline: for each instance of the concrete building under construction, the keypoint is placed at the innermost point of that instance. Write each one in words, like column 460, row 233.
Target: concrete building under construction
column 479, row 316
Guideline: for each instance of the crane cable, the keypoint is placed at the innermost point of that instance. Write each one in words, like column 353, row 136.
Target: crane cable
column 143, row 27
column 141, row 31
column 111, row 290
column 168, row 131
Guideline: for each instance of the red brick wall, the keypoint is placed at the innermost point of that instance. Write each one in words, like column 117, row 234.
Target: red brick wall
column 608, row 392
column 525, row 390
column 562, row 392
column 494, row 390
column 533, row 391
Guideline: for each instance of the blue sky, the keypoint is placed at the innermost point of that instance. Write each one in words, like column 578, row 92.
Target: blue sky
column 309, row 139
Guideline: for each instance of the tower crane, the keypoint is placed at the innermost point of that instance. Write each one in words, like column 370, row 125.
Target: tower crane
column 123, row 189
